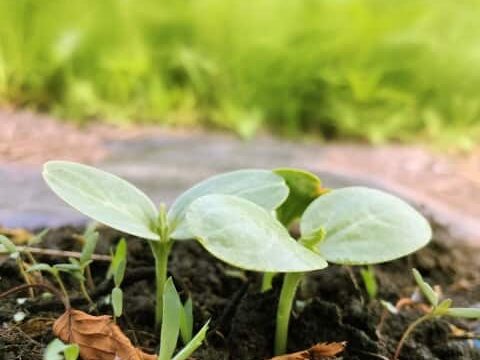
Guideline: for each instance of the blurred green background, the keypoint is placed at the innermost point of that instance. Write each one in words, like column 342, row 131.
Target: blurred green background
column 375, row 70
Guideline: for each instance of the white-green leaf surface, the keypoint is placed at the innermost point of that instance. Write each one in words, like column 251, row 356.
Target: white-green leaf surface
column 103, row 197
column 246, row 235
column 263, row 187
column 365, row 226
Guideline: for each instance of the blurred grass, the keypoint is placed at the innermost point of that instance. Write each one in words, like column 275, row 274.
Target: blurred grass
column 362, row 69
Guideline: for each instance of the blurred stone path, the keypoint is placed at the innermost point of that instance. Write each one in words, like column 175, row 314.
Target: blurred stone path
column 163, row 163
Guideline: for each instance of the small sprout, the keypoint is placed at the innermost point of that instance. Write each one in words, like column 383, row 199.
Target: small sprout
column 38, row 238
column 118, row 266
column 349, row 226
column 370, row 281
column 6, row 245
column 57, row 350
column 9, row 247
column 438, row 309
column 52, row 270
column 171, row 326
column 186, row 321
column 117, row 302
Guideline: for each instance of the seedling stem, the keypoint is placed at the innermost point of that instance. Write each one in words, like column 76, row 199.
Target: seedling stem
column 287, row 295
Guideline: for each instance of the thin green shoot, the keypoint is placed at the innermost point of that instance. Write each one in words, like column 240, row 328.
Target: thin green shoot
column 438, row 309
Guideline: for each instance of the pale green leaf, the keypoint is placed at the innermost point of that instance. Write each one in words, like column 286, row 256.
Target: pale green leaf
column 120, row 254
column 468, row 313
column 443, row 307
column 194, row 344
column 304, row 188
column 117, row 301
column 71, row 352
column 90, row 236
column 40, row 267
column 119, row 273
column 55, row 349
column 263, row 187
column 8, row 244
column 365, row 226
column 246, row 235
column 186, row 321
column 103, row 197
column 425, row 288
column 170, row 321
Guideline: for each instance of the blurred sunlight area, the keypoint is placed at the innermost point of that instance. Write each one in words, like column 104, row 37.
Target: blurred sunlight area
column 368, row 70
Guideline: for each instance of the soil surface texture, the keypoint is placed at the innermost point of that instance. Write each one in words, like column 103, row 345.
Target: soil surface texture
column 331, row 304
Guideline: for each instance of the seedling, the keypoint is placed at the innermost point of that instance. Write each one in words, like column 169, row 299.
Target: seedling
column 349, row 226
column 78, row 269
column 57, row 350
column 369, row 281
column 438, row 309
column 174, row 315
column 115, row 202
column 117, row 269
column 6, row 245
column 304, row 187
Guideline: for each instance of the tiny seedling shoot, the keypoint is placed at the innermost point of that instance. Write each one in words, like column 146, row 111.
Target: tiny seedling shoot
column 349, row 226
column 264, row 245
column 438, row 309
column 178, row 320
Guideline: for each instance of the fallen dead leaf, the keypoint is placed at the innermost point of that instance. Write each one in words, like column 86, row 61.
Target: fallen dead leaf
column 322, row 351
column 98, row 337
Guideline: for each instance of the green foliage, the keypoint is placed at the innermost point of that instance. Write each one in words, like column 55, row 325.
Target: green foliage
column 443, row 308
column 57, row 350
column 245, row 235
column 8, row 246
column 354, row 69
column 262, row 187
column 117, row 302
column 186, row 321
column 304, row 188
column 173, row 316
column 115, row 202
column 370, row 281
column 364, row 226
column 104, row 197
column 117, row 270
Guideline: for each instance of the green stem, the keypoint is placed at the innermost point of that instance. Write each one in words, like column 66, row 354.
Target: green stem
column 85, row 294
column 161, row 251
column 287, row 295
column 407, row 333
column 267, row 280
column 60, row 283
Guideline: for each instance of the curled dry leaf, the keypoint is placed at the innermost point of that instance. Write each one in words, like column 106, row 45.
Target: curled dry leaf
column 97, row 336
column 322, row 351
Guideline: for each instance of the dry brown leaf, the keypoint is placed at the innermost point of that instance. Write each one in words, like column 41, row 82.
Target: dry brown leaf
column 322, row 351
column 98, row 337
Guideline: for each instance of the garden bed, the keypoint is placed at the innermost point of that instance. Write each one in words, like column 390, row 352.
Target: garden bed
column 330, row 307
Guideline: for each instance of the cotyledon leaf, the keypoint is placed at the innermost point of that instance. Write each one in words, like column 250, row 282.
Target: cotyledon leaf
column 103, row 197
column 263, row 187
column 246, row 235
column 365, row 226
column 304, row 188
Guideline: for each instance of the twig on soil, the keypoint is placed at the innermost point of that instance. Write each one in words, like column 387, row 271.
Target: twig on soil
column 60, row 253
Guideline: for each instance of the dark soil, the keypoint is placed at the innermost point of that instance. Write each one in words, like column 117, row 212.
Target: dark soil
column 331, row 305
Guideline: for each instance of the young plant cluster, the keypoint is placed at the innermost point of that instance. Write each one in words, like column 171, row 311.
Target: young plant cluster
column 245, row 218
